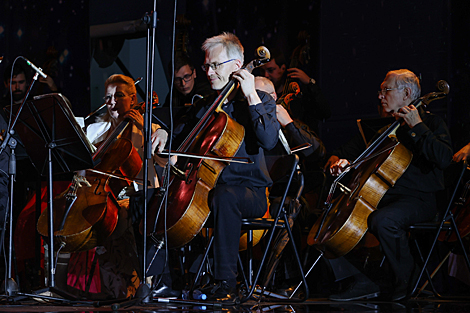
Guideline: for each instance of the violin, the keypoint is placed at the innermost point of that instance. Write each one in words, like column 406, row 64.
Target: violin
column 344, row 222
column 87, row 213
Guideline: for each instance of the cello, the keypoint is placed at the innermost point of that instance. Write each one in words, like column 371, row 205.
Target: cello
column 216, row 134
column 344, row 222
column 85, row 216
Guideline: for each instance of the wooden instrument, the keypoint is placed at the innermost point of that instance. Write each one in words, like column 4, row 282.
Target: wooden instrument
column 86, row 215
column 344, row 223
column 300, row 55
column 216, row 134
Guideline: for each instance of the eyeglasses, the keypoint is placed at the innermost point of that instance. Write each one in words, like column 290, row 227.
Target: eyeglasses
column 186, row 78
column 214, row 66
column 383, row 91
column 117, row 96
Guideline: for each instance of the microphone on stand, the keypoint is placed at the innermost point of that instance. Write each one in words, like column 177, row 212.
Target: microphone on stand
column 37, row 69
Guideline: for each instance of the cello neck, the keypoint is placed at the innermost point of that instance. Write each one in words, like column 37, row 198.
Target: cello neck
column 116, row 133
column 264, row 55
column 426, row 100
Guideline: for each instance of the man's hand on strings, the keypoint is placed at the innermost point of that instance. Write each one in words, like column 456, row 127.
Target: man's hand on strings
column 247, row 84
column 296, row 73
column 159, row 138
column 410, row 115
column 49, row 82
column 336, row 167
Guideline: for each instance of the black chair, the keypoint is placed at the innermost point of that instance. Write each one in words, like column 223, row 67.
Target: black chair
column 283, row 173
column 445, row 226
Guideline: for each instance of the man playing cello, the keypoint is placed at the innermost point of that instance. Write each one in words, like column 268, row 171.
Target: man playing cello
column 240, row 190
column 412, row 199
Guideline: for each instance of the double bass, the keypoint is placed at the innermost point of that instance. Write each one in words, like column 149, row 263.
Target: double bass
column 215, row 135
column 85, row 216
column 343, row 223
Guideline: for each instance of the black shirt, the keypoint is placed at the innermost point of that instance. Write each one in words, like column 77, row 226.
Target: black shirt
column 431, row 146
column 261, row 133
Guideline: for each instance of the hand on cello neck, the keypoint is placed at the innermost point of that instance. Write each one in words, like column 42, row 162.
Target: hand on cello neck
column 409, row 114
column 336, row 166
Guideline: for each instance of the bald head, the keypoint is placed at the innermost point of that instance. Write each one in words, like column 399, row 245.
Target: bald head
column 264, row 84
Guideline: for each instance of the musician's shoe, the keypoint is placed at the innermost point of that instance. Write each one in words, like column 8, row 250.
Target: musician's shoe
column 163, row 291
column 223, row 292
column 404, row 288
column 400, row 293
column 359, row 289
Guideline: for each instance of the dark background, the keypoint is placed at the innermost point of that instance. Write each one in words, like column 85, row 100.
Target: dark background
column 353, row 44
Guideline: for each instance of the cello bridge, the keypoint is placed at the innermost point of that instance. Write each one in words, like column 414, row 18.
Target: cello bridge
column 344, row 189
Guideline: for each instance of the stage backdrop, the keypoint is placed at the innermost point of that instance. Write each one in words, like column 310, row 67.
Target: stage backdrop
column 54, row 35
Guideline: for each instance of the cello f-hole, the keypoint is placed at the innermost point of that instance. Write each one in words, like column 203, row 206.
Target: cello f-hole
column 96, row 192
column 210, row 168
column 188, row 172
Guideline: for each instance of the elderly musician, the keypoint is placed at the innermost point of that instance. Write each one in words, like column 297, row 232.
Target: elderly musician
column 412, row 199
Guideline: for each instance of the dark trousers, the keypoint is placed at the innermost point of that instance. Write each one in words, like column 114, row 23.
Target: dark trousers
column 390, row 222
column 229, row 204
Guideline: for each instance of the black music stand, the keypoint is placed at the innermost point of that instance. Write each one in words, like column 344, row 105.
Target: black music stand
column 55, row 143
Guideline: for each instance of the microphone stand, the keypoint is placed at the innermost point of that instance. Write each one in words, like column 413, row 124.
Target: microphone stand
column 143, row 291
column 11, row 287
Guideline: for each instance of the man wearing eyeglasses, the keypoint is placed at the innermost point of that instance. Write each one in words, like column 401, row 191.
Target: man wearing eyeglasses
column 187, row 87
column 240, row 191
column 412, row 199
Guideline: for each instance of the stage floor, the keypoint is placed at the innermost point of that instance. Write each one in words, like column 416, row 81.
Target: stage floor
column 311, row 305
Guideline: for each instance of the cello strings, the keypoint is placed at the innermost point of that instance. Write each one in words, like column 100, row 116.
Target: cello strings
column 136, row 180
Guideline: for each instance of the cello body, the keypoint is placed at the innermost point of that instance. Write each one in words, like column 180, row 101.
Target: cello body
column 87, row 215
column 188, row 187
column 342, row 226
column 188, row 190
column 345, row 224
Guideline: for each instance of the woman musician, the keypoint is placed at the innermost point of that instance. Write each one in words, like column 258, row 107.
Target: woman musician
column 117, row 259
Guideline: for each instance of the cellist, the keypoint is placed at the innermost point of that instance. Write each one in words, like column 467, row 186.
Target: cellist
column 412, row 200
column 117, row 260
column 241, row 188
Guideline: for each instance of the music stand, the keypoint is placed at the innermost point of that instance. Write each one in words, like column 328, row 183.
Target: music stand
column 52, row 136
column 369, row 127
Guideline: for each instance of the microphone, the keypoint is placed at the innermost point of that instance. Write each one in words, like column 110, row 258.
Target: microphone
column 37, row 69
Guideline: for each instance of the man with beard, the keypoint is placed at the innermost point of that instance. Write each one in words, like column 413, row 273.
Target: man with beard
column 18, row 83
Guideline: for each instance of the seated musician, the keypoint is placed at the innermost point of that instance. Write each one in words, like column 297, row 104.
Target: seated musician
column 312, row 106
column 296, row 132
column 188, row 87
column 412, row 200
column 240, row 191
column 117, row 258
